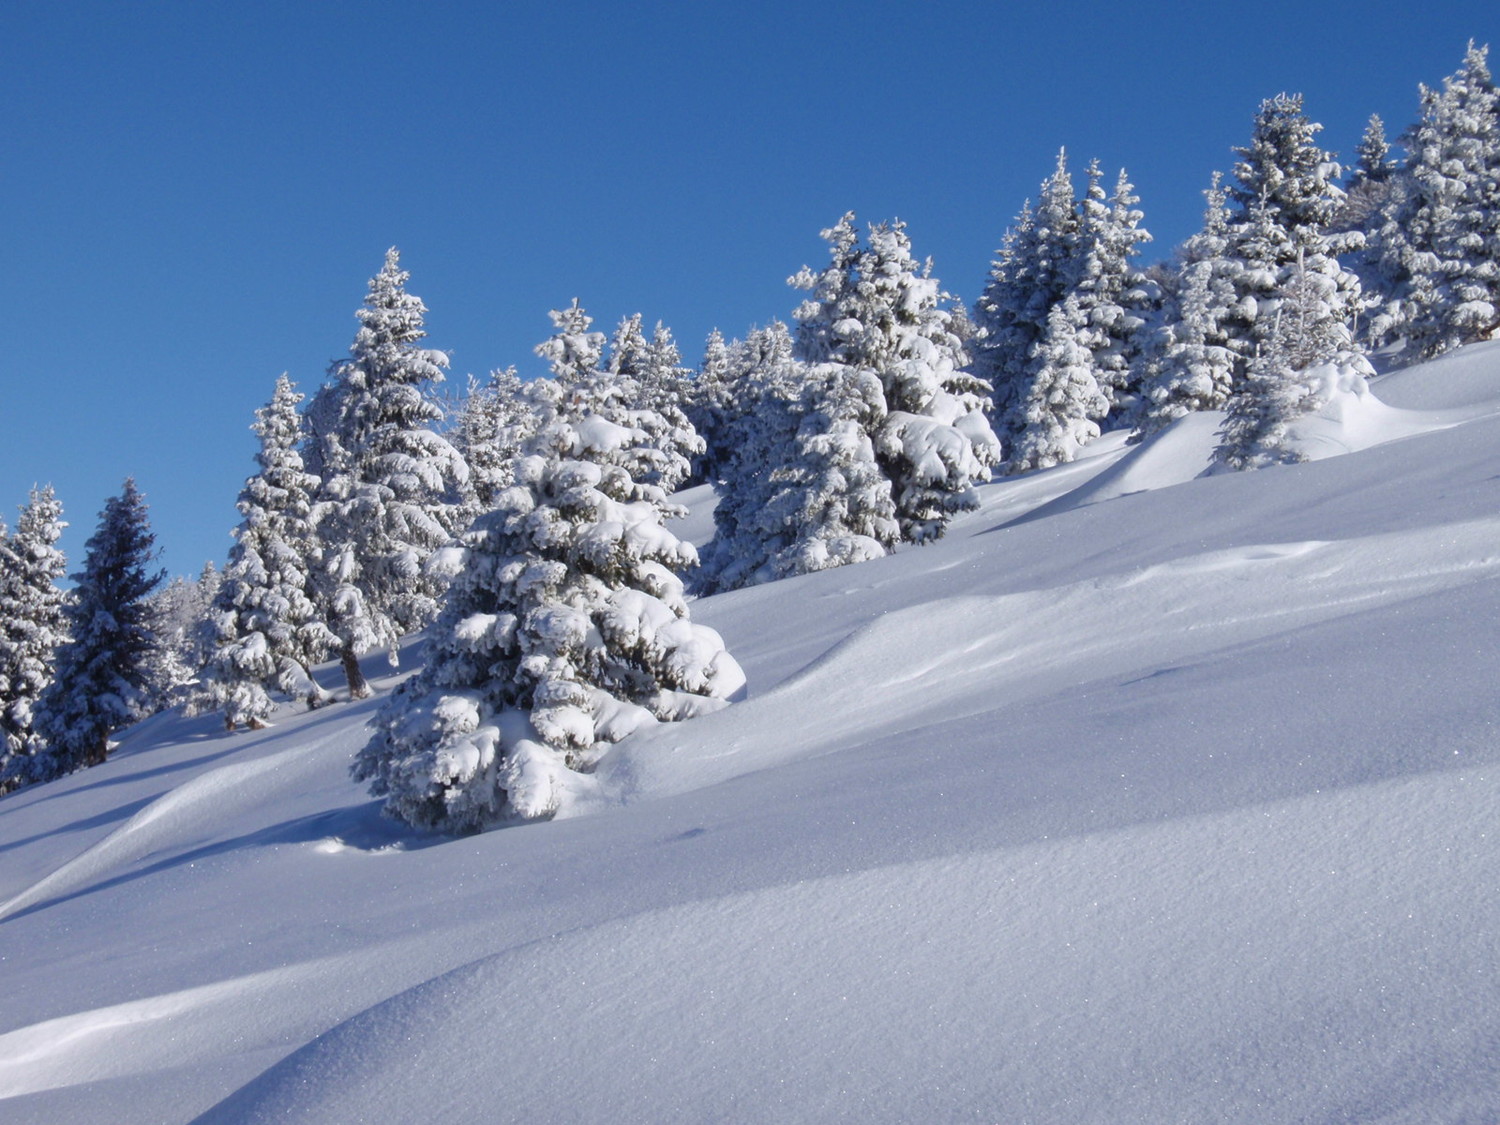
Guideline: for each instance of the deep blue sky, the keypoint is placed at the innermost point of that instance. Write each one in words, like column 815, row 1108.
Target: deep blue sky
column 194, row 194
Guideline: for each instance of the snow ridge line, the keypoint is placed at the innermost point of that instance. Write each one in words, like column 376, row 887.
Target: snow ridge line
column 925, row 658
column 364, row 1058
column 132, row 839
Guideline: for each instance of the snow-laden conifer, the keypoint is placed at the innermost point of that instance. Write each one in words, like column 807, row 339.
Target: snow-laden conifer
column 1112, row 294
column 572, row 351
column 577, row 357
column 392, row 486
column 564, row 630
column 32, row 627
column 264, row 626
column 1034, row 270
column 1064, row 401
column 1309, row 349
column 651, row 381
column 1187, row 365
column 755, row 430
column 488, row 430
column 802, row 489
column 184, row 642
column 875, row 308
column 100, row 677
column 1436, row 253
column 1373, row 163
column 1285, row 201
column 711, row 404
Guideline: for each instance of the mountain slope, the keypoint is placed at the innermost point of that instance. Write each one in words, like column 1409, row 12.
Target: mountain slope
column 1143, row 796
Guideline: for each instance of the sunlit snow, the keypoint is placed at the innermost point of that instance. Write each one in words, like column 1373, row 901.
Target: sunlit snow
column 1146, row 795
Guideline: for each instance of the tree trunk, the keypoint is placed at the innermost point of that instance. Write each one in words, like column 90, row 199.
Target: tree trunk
column 358, row 688
column 98, row 752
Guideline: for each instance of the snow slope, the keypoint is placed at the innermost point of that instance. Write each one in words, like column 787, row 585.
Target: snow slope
column 1145, row 796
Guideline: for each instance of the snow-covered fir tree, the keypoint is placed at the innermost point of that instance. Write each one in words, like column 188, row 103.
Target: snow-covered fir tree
column 1112, row 295
column 263, row 624
column 802, row 489
column 1084, row 249
column 755, row 431
column 649, row 379
column 1308, row 353
column 392, row 487
column 180, row 613
column 32, row 627
column 565, row 629
column 572, row 351
column 1436, row 253
column 830, row 504
column 875, row 308
column 1285, row 201
column 100, row 676
column 488, row 429
column 1035, row 269
column 1064, row 401
column 711, row 404
column 1187, row 365
column 612, row 391
column 1373, row 163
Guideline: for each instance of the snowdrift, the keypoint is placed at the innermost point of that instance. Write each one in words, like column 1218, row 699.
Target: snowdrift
column 1143, row 796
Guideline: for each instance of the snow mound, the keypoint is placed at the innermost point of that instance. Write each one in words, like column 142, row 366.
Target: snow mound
column 1174, row 455
column 1467, row 379
column 942, row 990
column 1353, row 418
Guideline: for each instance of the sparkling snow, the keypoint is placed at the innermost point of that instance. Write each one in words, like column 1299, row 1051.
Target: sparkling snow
column 1143, row 796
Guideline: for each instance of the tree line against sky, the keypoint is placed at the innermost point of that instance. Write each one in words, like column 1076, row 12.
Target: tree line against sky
column 527, row 530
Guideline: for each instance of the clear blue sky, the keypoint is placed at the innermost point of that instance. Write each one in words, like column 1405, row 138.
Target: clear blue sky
column 194, row 194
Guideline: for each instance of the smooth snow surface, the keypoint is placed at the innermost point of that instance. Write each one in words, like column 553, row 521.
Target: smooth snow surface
column 1144, row 796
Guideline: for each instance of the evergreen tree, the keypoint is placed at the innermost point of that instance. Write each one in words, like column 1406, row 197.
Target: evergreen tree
column 1437, row 248
column 613, row 392
column 648, row 378
column 573, row 352
column 711, row 405
column 1188, row 365
column 487, row 432
column 565, row 630
column 829, row 504
column 1290, row 377
column 263, row 625
column 1370, row 189
column 1035, row 270
column 100, row 683
column 1065, row 401
column 392, row 487
column 180, row 614
column 1112, row 294
column 802, row 490
column 32, row 627
column 875, row 308
column 1285, row 202
column 1374, row 164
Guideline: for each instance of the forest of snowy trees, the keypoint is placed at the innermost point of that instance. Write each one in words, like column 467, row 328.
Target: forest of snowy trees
column 526, row 529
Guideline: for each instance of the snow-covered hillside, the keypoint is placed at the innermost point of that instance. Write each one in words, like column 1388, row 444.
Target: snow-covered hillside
column 1144, row 796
